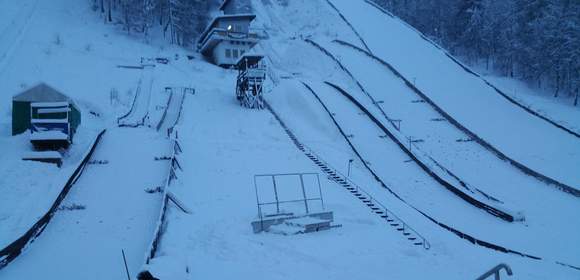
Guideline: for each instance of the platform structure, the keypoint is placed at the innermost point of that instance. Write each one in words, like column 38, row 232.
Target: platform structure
column 290, row 203
column 250, row 81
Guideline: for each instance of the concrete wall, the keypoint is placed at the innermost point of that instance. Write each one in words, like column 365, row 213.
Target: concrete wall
column 219, row 52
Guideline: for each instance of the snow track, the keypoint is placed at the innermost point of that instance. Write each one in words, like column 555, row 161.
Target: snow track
column 13, row 250
column 494, row 210
column 172, row 110
column 561, row 186
column 461, row 94
column 379, row 174
column 468, row 70
column 139, row 111
column 11, row 35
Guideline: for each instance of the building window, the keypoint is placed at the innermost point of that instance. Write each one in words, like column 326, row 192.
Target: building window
column 228, row 53
column 235, row 53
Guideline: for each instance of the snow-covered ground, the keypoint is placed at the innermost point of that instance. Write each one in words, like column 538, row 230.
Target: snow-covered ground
column 224, row 145
column 466, row 97
column 117, row 214
column 559, row 109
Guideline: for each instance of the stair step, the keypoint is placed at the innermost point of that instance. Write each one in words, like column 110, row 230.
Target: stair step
column 384, row 216
column 418, row 243
column 358, row 194
column 390, row 220
column 394, row 224
column 400, row 229
column 374, row 208
column 411, row 238
column 406, row 234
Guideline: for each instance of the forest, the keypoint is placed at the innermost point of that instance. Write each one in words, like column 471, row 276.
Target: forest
column 537, row 41
column 180, row 20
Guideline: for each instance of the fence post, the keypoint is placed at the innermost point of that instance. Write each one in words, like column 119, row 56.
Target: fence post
column 304, row 193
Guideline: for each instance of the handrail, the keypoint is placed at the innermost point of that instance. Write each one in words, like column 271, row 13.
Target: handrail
column 173, row 167
column 226, row 33
column 496, row 272
column 426, row 244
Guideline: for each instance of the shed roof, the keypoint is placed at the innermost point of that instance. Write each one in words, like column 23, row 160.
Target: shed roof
column 41, row 93
column 251, row 58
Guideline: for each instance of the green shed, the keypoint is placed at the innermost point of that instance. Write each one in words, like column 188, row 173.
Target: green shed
column 39, row 93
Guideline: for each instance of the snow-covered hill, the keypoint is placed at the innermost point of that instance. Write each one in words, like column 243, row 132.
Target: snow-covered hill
column 436, row 186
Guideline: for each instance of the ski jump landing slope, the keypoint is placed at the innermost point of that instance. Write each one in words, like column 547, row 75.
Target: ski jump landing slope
column 118, row 214
column 526, row 138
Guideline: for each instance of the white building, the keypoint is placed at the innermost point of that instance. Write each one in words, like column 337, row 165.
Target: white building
column 227, row 38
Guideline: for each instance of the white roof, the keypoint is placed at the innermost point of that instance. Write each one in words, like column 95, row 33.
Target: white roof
column 53, row 110
column 49, row 104
column 48, row 135
column 43, row 155
column 49, row 121
column 41, row 93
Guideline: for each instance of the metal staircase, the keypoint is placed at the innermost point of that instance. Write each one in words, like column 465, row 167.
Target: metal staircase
column 375, row 206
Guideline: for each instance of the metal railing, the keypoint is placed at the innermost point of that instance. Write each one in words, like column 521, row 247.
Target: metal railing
column 389, row 213
column 277, row 201
column 495, row 271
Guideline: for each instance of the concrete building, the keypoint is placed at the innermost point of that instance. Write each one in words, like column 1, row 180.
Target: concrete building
column 227, row 38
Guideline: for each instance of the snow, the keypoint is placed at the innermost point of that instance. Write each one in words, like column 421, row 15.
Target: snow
column 43, row 154
column 560, row 110
column 225, row 145
column 48, row 135
column 466, row 97
column 53, row 110
column 119, row 214
column 49, row 104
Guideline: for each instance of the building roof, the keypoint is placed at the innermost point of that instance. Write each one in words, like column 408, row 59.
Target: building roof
column 223, row 5
column 252, row 58
column 218, row 18
column 41, row 93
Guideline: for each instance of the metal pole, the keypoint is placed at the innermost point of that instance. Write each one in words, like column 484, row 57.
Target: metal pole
column 304, row 193
column 320, row 191
column 257, row 198
column 125, row 261
column 276, row 195
column 349, row 164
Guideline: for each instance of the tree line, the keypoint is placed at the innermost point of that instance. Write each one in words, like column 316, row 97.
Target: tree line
column 537, row 41
column 180, row 20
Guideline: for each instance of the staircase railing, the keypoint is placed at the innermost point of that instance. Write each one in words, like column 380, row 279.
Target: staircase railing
column 496, row 272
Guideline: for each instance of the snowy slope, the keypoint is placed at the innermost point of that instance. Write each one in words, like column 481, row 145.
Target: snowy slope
column 64, row 44
column 561, row 110
column 224, row 145
column 462, row 95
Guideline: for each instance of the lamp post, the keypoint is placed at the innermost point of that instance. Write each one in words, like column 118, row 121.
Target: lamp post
column 349, row 164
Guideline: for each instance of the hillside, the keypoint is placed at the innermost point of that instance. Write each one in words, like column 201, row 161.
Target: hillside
column 429, row 170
